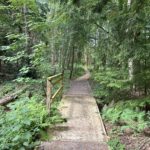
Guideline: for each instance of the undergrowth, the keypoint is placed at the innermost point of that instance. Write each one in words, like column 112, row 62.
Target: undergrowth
column 78, row 71
column 112, row 91
column 6, row 88
column 111, row 85
column 20, row 128
column 24, row 123
column 128, row 114
column 115, row 144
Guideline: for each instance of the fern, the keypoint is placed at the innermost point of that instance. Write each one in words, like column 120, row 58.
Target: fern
column 128, row 113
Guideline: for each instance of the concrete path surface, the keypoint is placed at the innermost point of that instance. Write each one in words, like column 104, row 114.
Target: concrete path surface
column 84, row 129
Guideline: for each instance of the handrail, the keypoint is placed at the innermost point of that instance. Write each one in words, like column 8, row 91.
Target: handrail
column 51, row 82
column 55, row 76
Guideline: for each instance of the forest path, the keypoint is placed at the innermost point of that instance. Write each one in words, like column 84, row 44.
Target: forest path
column 84, row 129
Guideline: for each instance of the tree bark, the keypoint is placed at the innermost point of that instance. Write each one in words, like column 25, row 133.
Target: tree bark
column 11, row 97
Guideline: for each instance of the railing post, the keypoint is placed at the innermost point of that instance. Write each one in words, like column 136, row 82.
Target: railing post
column 48, row 99
column 50, row 85
column 62, row 82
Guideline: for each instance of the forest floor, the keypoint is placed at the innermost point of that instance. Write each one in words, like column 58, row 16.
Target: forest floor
column 131, row 141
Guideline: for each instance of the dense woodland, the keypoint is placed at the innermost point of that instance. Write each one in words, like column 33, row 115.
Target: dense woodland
column 40, row 38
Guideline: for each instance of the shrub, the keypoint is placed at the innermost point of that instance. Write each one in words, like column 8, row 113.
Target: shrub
column 6, row 88
column 20, row 127
column 128, row 114
column 111, row 85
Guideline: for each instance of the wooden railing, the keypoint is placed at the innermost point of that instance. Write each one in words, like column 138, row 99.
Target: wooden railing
column 51, row 82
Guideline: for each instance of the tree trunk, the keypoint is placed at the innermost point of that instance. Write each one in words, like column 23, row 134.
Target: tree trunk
column 130, row 66
column 11, row 97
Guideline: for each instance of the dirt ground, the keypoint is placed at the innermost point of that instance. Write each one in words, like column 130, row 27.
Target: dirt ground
column 131, row 141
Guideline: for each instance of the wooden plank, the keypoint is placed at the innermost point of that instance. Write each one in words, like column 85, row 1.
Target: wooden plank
column 50, row 84
column 73, row 145
column 57, row 92
column 55, row 76
column 48, row 93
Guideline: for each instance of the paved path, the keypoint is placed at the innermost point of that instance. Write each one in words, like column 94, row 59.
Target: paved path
column 84, row 129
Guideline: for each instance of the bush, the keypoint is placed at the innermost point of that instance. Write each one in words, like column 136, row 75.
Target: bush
column 78, row 71
column 6, row 88
column 20, row 127
column 111, row 85
column 128, row 114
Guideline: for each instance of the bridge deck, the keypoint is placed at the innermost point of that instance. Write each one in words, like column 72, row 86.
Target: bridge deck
column 84, row 128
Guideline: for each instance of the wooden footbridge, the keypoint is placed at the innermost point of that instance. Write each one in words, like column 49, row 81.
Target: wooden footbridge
column 84, row 129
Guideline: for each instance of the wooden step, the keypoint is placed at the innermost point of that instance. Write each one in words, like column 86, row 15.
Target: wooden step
column 73, row 145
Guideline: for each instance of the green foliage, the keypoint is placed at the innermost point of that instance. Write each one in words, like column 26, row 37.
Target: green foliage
column 21, row 128
column 26, row 121
column 39, row 38
column 24, row 70
column 128, row 114
column 41, row 62
column 78, row 71
column 20, row 32
column 115, row 144
column 7, row 87
column 55, row 116
column 112, row 85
